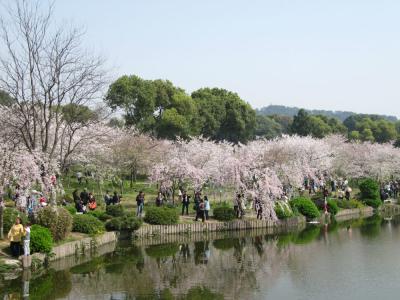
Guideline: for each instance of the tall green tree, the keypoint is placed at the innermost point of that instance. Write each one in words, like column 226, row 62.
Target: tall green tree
column 224, row 115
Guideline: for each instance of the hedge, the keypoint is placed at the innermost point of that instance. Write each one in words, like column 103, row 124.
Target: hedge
column 224, row 212
column 71, row 209
column 41, row 239
column 306, row 207
column 57, row 219
column 125, row 223
column 87, row 224
column 161, row 216
column 116, row 210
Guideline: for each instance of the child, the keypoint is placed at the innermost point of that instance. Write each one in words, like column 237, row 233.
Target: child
column 27, row 239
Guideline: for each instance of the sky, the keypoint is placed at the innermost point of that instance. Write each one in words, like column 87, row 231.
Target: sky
column 336, row 55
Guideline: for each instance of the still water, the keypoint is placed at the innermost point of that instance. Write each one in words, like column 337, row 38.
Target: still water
column 351, row 260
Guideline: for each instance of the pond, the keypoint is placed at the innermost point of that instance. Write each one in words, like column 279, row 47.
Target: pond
column 350, row 260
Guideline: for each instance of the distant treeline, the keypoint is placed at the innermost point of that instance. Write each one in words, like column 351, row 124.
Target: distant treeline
column 282, row 110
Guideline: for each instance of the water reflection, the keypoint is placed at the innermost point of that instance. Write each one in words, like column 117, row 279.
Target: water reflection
column 251, row 265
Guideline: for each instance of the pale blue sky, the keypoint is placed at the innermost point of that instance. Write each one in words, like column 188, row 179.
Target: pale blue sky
column 341, row 55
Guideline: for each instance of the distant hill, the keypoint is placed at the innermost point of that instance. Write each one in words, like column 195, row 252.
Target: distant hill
column 292, row 111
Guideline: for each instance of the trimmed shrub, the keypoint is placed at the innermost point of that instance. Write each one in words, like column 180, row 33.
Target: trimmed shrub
column 282, row 210
column 87, row 224
column 306, row 207
column 369, row 189
column 375, row 203
column 9, row 216
column 96, row 213
column 41, row 239
column 333, row 208
column 71, row 209
column 57, row 219
column 161, row 216
column 224, row 213
column 125, row 223
column 115, row 210
column 348, row 204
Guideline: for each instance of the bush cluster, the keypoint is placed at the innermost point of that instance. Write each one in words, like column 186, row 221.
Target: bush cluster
column 224, row 212
column 161, row 216
column 87, row 224
column 348, row 204
column 116, row 210
column 125, row 223
column 41, row 239
column 283, row 211
column 369, row 189
column 333, row 207
column 375, row 203
column 57, row 219
column 71, row 209
column 306, row 207
column 9, row 216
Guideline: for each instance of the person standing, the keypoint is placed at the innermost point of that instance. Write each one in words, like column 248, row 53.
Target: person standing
column 258, row 208
column 27, row 239
column 200, row 211
column 159, row 200
column 107, row 198
column 207, row 207
column 185, row 203
column 15, row 236
column 116, row 199
column 140, row 204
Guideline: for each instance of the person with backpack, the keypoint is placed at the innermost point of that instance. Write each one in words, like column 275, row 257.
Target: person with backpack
column 140, row 204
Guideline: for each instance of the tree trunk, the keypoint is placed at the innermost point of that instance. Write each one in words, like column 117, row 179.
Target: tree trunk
column 1, row 222
column 132, row 179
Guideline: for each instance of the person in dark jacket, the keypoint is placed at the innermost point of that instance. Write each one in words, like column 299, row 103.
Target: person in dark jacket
column 85, row 197
column 140, row 204
column 185, row 203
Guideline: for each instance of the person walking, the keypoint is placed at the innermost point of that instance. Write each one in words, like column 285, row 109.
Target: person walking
column 258, row 208
column 116, row 199
column 207, row 207
column 185, row 203
column 15, row 236
column 140, row 204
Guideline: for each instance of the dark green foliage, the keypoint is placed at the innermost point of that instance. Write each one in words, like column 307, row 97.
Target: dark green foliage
column 57, row 219
column 224, row 212
column 71, row 209
column 306, row 207
column 161, row 216
column 333, row 208
column 162, row 250
column 306, row 236
column 282, row 211
column 115, row 210
column 9, row 216
column 125, row 223
column 348, row 204
column 369, row 189
column 99, row 214
column 87, row 224
column 375, row 203
column 41, row 239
